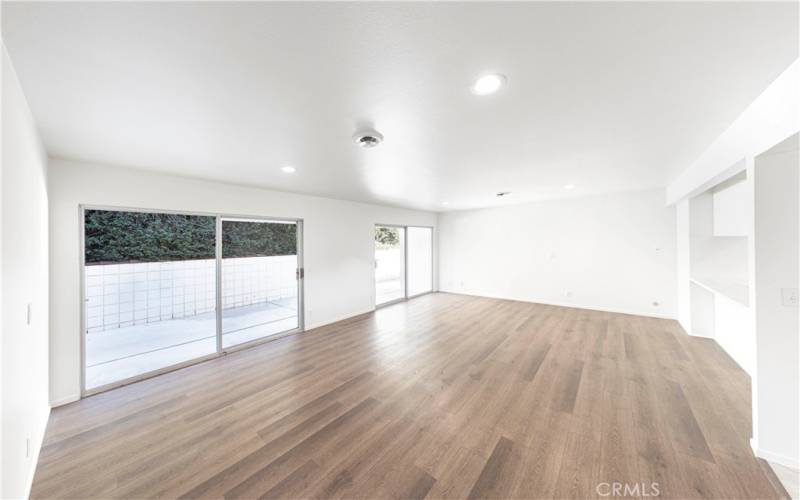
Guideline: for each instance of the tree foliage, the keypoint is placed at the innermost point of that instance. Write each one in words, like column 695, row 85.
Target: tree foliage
column 113, row 237
column 387, row 237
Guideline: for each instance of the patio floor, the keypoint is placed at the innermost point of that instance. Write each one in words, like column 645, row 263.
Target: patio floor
column 117, row 354
column 388, row 290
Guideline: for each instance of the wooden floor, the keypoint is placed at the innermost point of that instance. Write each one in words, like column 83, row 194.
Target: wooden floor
column 444, row 396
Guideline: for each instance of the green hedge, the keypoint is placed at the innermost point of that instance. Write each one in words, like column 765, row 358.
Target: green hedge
column 113, row 237
column 247, row 239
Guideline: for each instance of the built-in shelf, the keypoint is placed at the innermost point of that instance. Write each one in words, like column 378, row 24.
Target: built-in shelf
column 735, row 291
column 720, row 221
column 720, row 265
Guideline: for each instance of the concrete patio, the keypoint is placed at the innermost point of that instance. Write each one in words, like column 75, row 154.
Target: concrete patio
column 388, row 290
column 118, row 354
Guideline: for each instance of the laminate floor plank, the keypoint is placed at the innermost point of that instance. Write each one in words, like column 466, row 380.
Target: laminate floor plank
column 440, row 397
column 491, row 477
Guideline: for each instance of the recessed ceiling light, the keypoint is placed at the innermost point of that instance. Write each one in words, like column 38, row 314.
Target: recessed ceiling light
column 289, row 169
column 488, row 84
column 569, row 186
column 445, row 203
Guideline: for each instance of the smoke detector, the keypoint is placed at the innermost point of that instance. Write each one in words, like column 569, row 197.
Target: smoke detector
column 368, row 139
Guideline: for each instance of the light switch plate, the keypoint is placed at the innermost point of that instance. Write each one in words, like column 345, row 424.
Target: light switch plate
column 789, row 297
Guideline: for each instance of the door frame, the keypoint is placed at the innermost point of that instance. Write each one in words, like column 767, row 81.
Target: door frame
column 405, row 296
column 82, row 208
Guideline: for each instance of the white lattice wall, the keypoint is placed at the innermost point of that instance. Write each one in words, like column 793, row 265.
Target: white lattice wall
column 248, row 281
column 120, row 295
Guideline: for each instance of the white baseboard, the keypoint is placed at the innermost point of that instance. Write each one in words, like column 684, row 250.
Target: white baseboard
column 353, row 315
column 35, row 463
column 632, row 312
column 777, row 458
column 65, row 400
column 312, row 326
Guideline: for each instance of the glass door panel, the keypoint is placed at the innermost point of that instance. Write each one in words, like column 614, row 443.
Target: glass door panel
column 420, row 260
column 390, row 273
column 149, row 292
column 259, row 279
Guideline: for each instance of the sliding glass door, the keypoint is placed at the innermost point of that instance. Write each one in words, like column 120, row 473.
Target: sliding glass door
column 149, row 293
column 420, row 260
column 259, row 279
column 403, row 262
column 390, row 270
column 164, row 289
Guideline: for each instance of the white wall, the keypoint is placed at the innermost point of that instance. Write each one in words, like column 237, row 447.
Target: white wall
column 778, row 326
column 337, row 240
column 734, row 331
column 683, row 266
column 614, row 252
column 24, row 363
column 732, row 214
column 770, row 118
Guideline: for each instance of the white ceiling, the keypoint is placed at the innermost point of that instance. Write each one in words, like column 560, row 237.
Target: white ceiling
column 606, row 96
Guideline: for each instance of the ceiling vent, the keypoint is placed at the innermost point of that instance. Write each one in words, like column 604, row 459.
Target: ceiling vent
column 368, row 139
